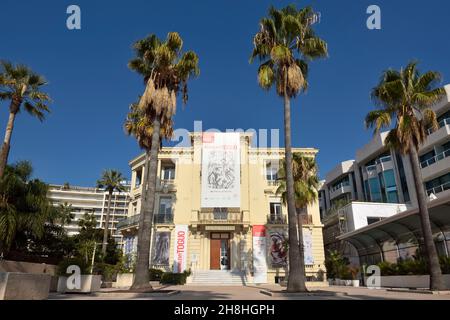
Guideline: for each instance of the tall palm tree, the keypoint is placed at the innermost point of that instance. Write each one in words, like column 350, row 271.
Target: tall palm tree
column 111, row 181
column 285, row 44
column 165, row 71
column 21, row 86
column 405, row 98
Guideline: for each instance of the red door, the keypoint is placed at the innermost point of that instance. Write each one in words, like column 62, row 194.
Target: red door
column 215, row 254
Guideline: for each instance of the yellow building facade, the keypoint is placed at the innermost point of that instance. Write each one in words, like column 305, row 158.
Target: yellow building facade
column 242, row 232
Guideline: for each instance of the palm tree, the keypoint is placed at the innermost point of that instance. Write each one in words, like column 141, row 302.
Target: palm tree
column 24, row 206
column 285, row 44
column 65, row 215
column 405, row 98
column 165, row 71
column 306, row 184
column 111, row 181
column 21, row 86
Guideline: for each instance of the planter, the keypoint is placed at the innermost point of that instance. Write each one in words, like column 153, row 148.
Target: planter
column 410, row 281
column 124, row 280
column 107, row 284
column 355, row 283
column 24, row 286
column 89, row 283
column 348, row 283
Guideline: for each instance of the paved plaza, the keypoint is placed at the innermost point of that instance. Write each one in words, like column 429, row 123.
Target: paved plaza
column 188, row 292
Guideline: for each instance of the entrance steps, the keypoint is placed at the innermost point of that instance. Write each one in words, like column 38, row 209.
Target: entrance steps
column 218, row 278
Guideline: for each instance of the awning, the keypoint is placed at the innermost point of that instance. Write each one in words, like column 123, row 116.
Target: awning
column 401, row 228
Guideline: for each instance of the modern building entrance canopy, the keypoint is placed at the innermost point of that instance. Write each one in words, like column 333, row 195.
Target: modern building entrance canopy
column 401, row 228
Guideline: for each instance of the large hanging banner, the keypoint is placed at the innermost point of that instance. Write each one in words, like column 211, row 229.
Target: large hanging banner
column 259, row 254
column 278, row 249
column 221, row 162
column 308, row 244
column 161, row 249
column 180, row 248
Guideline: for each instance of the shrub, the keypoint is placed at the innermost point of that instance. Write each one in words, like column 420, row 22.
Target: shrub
column 155, row 274
column 445, row 264
column 387, row 269
column 412, row 267
column 174, row 278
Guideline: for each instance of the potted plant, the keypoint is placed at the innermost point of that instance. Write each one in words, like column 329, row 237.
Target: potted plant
column 354, row 271
column 86, row 283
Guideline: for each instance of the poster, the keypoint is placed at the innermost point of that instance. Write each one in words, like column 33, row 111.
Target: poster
column 161, row 249
column 259, row 254
column 307, row 243
column 221, row 170
column 180, row 248
column 278, row 250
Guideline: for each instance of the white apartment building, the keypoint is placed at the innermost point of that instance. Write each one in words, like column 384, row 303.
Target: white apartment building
column 379, row 184
column 92, row 201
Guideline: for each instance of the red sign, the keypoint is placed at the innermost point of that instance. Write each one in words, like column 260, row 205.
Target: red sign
column 259, row 231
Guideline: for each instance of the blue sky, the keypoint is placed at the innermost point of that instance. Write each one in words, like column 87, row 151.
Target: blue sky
column 92, row 87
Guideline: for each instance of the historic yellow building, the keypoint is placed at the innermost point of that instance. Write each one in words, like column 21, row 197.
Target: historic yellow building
column 217, row 209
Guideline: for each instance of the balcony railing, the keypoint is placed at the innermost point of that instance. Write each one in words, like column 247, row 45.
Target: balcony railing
column 163, row 218
column 273, row 183
column 220, row 217
column 133, row 221
column 340, row 185
column 276, row 219
column 128, row 222
column 439, row 189
column 282, row 219
column 442, row 123
column 435, row 159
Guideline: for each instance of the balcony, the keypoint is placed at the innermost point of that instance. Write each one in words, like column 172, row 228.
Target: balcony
column 382, row 164
column 163, row 219
column 129, row 222
column 436, row 165
column 438, row 136
column 222, row 218
column 277, row 219
column 339, row 190
column 439, row 189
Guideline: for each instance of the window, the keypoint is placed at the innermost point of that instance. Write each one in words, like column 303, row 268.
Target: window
column 375, row 189
column 272, row 168
column 390, row 186
column 275, row 209
column 165, row 206
column 220, row 213
column 138, row 178
column 371, row 220
column 168, row 171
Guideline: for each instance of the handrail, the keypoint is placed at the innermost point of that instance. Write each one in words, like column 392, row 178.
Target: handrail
column 435, row 159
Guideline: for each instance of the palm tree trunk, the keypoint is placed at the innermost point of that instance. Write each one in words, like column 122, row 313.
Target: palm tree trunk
column 296, row 280
column 436, row 280
column 141, row 278
column 6, row 143
column 105, row 232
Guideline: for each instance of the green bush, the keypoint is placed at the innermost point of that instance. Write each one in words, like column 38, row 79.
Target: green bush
column 174, row 278
column 387, row 269
column 445, row 264
column 156, row 274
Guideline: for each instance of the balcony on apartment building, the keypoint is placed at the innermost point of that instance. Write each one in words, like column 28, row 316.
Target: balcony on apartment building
column 340, row 189
column 219, row 216
column 381, row 164
column 437, row 136
column 436, row 165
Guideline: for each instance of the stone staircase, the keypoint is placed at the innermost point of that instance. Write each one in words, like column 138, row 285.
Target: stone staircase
column 218, row 278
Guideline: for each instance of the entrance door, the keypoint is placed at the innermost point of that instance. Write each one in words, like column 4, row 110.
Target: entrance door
column 220, row 251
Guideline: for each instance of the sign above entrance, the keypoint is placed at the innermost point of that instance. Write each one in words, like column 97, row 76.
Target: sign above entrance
column 221, row 160
column 220, row 228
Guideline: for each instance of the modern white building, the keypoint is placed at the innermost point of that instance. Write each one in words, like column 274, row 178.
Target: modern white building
column 92, row 201
column 379, row 183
